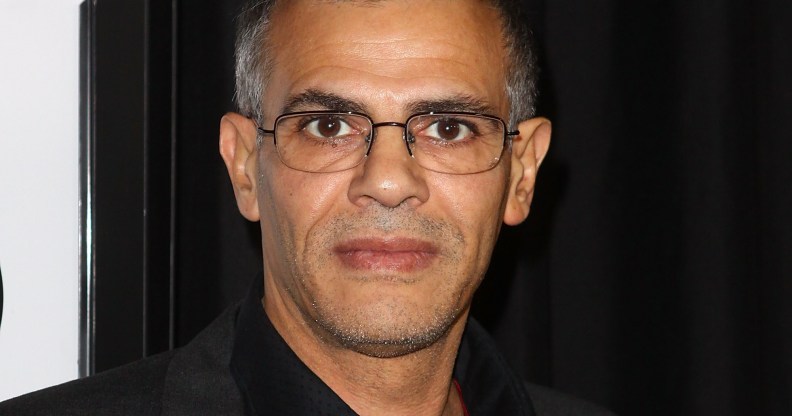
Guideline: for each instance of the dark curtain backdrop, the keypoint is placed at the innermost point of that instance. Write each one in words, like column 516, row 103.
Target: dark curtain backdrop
column 661, row 245
column 654, row 275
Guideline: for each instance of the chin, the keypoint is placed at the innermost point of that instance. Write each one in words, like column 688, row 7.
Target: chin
column 388, row 349
column 386, row 330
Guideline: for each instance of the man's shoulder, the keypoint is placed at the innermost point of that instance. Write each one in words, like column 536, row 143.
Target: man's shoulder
column 549, row 402
column 191, row 380
column 131, row 389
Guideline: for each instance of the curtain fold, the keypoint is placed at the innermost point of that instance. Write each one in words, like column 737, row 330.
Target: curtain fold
column 663, row 210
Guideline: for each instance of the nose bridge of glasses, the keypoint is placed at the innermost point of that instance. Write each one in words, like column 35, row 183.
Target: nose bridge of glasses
column 403, row 126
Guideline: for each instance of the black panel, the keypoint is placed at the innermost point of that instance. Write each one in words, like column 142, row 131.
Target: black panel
column 128, row 170
column 119, row 182
column 158, row 165
column 217, row 251
column 87, row 142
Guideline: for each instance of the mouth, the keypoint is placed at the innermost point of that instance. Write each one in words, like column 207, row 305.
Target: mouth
column 386, row 254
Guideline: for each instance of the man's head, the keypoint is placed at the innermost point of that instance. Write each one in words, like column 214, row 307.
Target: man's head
column 382, row 257
column 254, row 60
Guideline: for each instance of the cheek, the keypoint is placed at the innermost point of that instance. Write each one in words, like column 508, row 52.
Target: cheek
column 474, row 203
column 297, row 202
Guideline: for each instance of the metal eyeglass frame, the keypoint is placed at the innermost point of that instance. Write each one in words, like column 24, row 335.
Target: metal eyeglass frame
column 406, row 137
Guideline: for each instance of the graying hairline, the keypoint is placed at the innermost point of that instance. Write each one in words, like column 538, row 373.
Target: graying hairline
column 517, row 82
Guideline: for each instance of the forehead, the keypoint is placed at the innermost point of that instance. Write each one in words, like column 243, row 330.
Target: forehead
column 393, row 50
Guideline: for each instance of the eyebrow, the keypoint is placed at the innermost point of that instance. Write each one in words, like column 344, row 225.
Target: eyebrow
column 454, row 103
column 313, row 99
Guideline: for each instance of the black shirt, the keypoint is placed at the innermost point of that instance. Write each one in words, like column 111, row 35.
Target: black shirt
column 273, row 380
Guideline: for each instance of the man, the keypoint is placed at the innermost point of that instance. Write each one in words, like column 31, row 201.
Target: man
column 371, row 146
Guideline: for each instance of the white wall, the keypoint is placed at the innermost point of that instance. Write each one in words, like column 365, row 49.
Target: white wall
column 39, row 95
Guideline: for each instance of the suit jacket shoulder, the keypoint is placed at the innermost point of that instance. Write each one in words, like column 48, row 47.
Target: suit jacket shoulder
column 187, row 381
column 131, row 389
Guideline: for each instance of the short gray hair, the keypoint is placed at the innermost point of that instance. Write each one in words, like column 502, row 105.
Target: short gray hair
column 254, row 66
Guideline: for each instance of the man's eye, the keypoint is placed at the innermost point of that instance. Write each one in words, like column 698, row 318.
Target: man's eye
column 448, row 130
column 328, row 127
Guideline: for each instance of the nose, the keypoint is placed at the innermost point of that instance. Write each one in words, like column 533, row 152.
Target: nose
column 389, row 175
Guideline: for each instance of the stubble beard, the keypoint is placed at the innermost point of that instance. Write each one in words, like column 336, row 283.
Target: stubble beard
column 389, row 327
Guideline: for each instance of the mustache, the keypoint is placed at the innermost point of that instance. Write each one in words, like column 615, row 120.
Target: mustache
column 378, row 221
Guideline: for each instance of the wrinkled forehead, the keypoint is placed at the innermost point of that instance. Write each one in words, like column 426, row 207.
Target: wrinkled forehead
column 474, row 24
column 391, row 44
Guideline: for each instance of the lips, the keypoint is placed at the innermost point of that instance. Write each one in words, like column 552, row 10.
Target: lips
column 387, row 254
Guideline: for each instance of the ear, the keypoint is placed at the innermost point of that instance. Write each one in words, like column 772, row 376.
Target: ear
column 528, row 150
column 238, row 149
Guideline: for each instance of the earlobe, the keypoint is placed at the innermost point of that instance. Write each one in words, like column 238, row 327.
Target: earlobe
column 528, row 151
column 238, row 150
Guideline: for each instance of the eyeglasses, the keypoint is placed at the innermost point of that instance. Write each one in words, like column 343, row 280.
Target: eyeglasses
column 330, row 141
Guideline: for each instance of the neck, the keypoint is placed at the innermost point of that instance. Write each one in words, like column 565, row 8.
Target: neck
column 416, row 383
column 419, row 382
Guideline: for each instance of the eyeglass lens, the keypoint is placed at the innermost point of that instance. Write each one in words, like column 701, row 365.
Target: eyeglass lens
column 447, row 143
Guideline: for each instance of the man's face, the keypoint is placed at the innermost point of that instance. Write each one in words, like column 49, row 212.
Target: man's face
column 382, row 258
